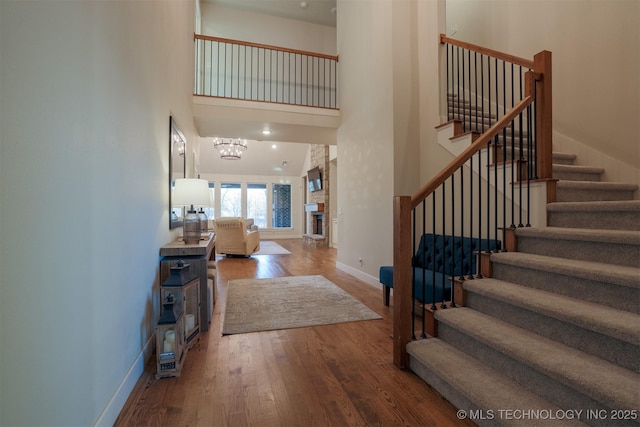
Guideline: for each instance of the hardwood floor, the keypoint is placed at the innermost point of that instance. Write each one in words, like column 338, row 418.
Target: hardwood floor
column 333, row 375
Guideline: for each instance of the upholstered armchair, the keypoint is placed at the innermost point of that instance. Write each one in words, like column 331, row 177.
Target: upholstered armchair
column 233, row 238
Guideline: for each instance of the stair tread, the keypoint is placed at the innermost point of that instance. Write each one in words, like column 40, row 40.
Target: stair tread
column 626, row 237
column 603, row 381
column 602, row 185
column 617, row 274
column 566, row 156
column 482, row 385
column 576, row 168
column 595, row 206
column 619, row 324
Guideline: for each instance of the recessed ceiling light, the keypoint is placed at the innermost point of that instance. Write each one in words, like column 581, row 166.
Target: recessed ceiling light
column 274, row 146
column 266, row 132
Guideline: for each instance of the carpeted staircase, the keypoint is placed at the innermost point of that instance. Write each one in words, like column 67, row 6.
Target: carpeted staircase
column 552, row 338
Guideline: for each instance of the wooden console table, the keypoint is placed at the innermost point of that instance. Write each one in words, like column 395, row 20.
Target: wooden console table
column 197, row 255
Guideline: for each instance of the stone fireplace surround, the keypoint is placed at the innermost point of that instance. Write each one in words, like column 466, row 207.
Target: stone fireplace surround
column 317, row 224
column 317, row 207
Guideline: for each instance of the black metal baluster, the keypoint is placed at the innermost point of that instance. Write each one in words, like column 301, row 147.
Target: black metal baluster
column 498, row 147
column 244, row 73
column 534, row 137
column 470, row 104
column 423, row 334
column 224, row 67
column 444, row 233
column 489, row 90
column 211, row 92
column 513, row 164
column 470, row 275
column 482, row 83
column 461, row 277
column 433, row 245
column 478, row 272
column 309, row 69
column 464, row 97
column 453, row 239
column 456, row 89
column 413, row 278
column 264, row 74
column 488, row 194
column 475, row 88
column 446, row 49
column 531, row 150
column 520, row 162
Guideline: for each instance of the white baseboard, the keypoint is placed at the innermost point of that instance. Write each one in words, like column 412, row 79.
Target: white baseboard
column 367, row 278
column 116, row 403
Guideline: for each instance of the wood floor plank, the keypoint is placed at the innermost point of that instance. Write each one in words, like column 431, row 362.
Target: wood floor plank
column 331, row 375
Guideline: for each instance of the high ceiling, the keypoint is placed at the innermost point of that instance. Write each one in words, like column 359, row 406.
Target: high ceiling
column 321, row 12
column 262, row 158
column 287, row 159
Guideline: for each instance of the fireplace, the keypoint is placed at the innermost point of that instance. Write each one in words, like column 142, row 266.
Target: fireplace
column 317, row 230
column 316, row 224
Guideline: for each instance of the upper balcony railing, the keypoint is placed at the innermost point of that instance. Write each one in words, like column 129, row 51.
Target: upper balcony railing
column 256, row 72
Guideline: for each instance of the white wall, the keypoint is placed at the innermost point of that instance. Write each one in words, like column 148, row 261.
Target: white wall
column 246, row 26
column 431, row 22
column 596, row 61
column 365, row 137
column 87, row 90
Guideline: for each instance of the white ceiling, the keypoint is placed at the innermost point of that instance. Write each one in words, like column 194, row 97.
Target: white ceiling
column 321, row 12
column 260, row 158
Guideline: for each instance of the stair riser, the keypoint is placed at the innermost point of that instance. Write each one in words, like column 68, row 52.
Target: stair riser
column 609, row 294
column 557, row 159
column 611, row 253
column 465, row 108
column 455, row 397
column 476, row 123
column 563, row 161
column 444, row 369
column 563, row 395
column 628, row 220
column 574, row 195
column 578, row 176
column 475, row 115
column 606, row 347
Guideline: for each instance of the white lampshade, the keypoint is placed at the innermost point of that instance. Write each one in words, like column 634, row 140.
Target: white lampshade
column 191, row 192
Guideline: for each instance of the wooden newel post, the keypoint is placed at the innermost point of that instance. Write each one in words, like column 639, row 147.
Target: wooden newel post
column 544, row 101
column 402, row 298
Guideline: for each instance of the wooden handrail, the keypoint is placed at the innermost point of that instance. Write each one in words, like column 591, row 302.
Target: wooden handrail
column 264, row 46
column 486, row 51
column 476, row 146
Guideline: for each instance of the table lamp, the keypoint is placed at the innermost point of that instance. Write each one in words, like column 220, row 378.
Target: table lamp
column 191, row 192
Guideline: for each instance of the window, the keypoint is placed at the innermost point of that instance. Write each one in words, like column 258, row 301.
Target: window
column 257, row 204
column 230, row 199
column 268, row 204
column 281, row 205
column 211, row 211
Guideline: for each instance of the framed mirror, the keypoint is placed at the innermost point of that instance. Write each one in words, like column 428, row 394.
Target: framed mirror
column 177, row 168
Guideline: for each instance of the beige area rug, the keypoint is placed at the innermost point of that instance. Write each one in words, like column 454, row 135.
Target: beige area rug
column 267, row 247
column 289, row 302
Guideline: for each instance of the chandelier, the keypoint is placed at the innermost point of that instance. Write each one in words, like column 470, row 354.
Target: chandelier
column 230, row 148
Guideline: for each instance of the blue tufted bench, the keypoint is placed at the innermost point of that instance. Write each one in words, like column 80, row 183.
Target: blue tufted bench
column 435, row 258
